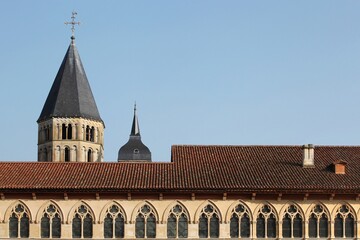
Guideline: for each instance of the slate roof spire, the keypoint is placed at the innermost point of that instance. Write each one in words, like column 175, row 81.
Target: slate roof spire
column 135, row 130
column 134, row 150
column 70, row 94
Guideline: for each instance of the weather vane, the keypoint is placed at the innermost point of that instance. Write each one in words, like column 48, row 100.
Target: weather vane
column 73, row 23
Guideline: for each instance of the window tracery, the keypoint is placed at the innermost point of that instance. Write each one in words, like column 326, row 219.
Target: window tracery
column 240, row 222
column 344, row 224
column 318, row 222
column 292, row 225
column 209, row 222
column 177, row 223
column 82, row 223
column 51, row 222
column 266, row 222
column 145, row 224
column 114, row 222
column 19, row 222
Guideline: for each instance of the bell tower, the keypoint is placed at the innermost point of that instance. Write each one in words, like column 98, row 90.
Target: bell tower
column 134, row 150
column 70, row 128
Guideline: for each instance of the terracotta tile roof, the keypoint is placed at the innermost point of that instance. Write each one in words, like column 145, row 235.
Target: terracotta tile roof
column 196, row 169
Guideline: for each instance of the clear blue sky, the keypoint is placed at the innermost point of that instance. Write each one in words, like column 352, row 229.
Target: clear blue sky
column 201, row 72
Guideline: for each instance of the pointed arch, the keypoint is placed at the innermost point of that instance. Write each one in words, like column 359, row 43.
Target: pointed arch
column 19, row 217
column 266, row 220
column 137, row 208
column 319, row 220
column 232, row 206
column 176, row 217
column 341, row 203
column 286, row 205
column 260, row 205
column 239, row 218
column 113, row 219
column 343, row 220
column 293, row 220
column 145, row 218
column 208, row 219
column 43, row 207
column 8, row 211
column 50, row 218
column 200, row 208
column 75, row 207
column 312, row 205
column 170, row 206
column 106, row 207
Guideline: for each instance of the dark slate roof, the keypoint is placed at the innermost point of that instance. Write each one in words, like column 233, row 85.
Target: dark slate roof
column 244, row 169
column 70, row 94
column 134, row 149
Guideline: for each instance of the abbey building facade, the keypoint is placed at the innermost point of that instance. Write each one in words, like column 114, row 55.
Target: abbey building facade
column 203, row 192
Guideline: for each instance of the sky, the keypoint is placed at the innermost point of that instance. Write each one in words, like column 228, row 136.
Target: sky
column 201, row 72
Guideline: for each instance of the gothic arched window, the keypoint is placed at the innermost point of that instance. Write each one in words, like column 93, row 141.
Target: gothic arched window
column 344, row 224
column 19, row 222
column 177, row 223
column 318, row 222
column 292, row 225
column 209, row 222
column 240, row 222
column 145, row 224
column 82, row 224
column 266, row 222
column 51, row 223
column 114, row 222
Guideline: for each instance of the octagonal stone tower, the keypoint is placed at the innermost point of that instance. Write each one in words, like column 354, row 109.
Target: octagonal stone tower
column 70, row 128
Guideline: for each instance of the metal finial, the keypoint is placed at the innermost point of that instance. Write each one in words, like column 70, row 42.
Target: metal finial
column 73, row 23
column 135, row 107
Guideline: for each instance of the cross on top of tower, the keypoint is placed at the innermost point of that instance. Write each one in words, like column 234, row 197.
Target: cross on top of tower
column 73, row 23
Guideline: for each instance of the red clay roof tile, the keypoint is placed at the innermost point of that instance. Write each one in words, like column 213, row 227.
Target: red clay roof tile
column 196, row 169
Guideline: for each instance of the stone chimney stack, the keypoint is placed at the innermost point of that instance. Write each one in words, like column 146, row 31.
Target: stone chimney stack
column 308, row 156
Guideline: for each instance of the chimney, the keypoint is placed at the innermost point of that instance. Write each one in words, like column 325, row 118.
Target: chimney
column 308, row 156
column 339, row 166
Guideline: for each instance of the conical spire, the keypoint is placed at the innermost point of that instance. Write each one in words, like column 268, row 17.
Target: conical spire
column 135, row 130
column 70, row 94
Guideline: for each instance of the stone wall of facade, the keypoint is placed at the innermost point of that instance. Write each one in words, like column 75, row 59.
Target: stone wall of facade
column 161, row 209
column 77, row 135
